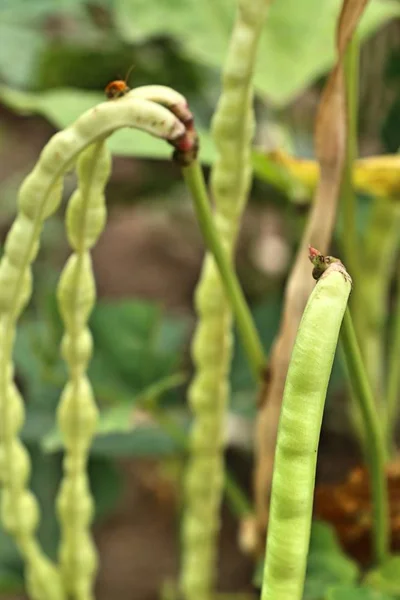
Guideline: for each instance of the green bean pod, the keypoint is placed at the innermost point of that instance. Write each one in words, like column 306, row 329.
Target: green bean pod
column 39, row 197
column 233, row 128
column 19, row 508
column 161, row 94
column 77, row 411
column 298, row 436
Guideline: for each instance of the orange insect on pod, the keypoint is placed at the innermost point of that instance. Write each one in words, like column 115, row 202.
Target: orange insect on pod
column 119, row 87
column 116, row 89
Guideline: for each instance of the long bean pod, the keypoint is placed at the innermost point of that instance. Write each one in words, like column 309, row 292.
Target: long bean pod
column 19, row 508
column 330, row 137
column 77, row 411
column 39, row 197
column 233, row 127
column 298, row 436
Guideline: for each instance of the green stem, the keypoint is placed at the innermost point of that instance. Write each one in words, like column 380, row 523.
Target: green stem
column 237, row 498
column 393, row 384
column 378, row 264
column 347, row 194
column 374, row 442
column 193, row 176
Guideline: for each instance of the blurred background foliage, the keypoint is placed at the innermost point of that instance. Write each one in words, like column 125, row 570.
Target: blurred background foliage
column 55, row 60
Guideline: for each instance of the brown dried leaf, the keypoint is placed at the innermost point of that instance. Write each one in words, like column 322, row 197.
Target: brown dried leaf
column 330, row 135
column 347, row 506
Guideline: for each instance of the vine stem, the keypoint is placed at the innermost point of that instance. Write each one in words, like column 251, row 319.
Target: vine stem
column 347, row 194
column 393, row 384
column 374, row 439
column 194, row 179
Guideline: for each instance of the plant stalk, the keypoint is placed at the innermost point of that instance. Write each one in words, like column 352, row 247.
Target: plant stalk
column 194, row 179
column 393, row 384
column 374, row 441
column 347, row 194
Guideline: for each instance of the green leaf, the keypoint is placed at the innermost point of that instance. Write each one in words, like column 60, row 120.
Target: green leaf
column 28, row 11
column 387, row 577
column 134, row 347
column 323, row 538
column 19, row 51
column 296, row 47
column 352, row 592
column 10, row 558
column 63, row 106
column 46, row 475
column 106, row 485
column 326, row 564
column 11, row 581
column 144, row 442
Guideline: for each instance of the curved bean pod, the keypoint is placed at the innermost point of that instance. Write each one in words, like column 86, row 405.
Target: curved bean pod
column 19, row 507
column 298, row 436
column 161, row 94
column 77, row 411
column 39, row 197
column 233, row 128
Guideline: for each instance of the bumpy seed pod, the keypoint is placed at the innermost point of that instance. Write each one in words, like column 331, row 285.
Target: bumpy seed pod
column 211, row 350
column 158, row 93
column 77, row 412
column 39, row 197
column 298, row 436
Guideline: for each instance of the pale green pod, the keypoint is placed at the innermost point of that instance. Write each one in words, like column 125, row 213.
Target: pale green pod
column 96, row 219
column 22, row 228
column 298, row 437
column 20, row 464
column 40, row 194
column 84, row 512
column 19, row 512
column 19, row 508
column 42, row 578
column 11, row 277
column 94, row 169
column 76, row 304
column 15, row 412
column 38, row 198
column 92, row 213
column 233, row 127
column 79, row 572
column 206, row 435
column 194, row 484
column 158, row 93
column 80, row 347
column 77, row 411
column 199, row 399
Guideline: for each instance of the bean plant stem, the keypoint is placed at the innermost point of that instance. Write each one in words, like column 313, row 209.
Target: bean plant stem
column 393, row 384
column 374, row 441
column 194, row 178
column 347, row 194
